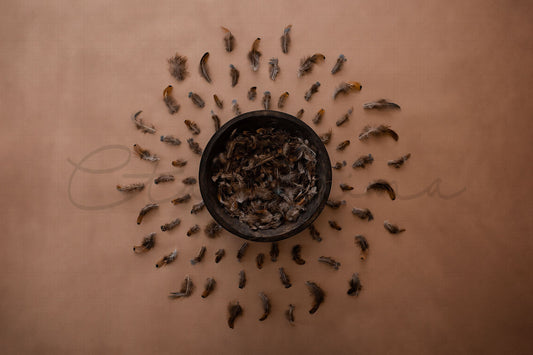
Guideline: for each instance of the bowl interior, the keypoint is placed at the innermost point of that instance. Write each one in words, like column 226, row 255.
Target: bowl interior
column 252, row 121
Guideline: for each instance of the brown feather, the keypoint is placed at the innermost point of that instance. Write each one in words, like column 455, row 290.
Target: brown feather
column 382, row 185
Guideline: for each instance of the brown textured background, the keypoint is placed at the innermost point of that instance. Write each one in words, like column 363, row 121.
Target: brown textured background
column 458, row 281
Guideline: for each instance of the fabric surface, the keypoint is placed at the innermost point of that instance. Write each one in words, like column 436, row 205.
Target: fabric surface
column 457, row 281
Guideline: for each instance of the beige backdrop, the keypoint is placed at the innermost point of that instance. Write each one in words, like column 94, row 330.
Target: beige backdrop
column 458, row 281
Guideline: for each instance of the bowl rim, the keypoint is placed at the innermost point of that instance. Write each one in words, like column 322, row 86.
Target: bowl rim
column 204, row 165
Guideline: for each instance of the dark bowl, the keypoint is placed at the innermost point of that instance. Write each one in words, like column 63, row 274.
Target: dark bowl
column 252, row 121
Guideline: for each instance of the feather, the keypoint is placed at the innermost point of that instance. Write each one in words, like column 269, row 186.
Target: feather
column 218, row 102
column 318, row 296
column 284, row 278
column 335, row 204
column 216, row 120
column 196, row 99
column 170, row 225
column 355, row 285
column 306, row 64
column 197, row 208
column 338, row 65
column 381, row 105
column 193, row 230
column 274, row 68
column 229, row 40
column 326, row 137
column 334, row 225
column 189, row 180
column 170, row 101
column 234, row 73
column 266, row 100
column 259, row 260
column 300, row 113
column 147, row 243
column 312, row 90
column 252, row 93
column 192, row 126
column 177, row 66
column 131, row 188
column 186, row 289
column 266, row 305
column 167, row 259
column 199, row 257
column 242, row 279
column 289, row 314
column 163, row 178
column 296, row 250
column 377, row 131
column 342, row 145
column 145, row 154
column 399, row 162
column 219, row 255
column 329, row 261
column 149, row 207
column 212, row 229
column 363, row 161
column 235, row 107
column 361, row 241
column 363, row 213
column 204, row 71
column 242, row 251
column 382, row 185
column 234, row 310
column 283, row 99
column 209, row 287
column 141, row 125
column 392, row 228
column 338, row 165
column 170, row 140
column 345, row 187
column 318, row 116
column 315, row 234
column 274, row 251
column 346, row 88
column 254, row 55
column 195, row 147
column 344, row 118
column 286, row 39
column 178, row 163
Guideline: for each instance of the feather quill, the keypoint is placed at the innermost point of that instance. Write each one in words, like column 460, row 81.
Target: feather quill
column 242, row 279
column 363, row 161
column 195, row 147
column 218, row 102
column 198, row 258
column 338, row 165
column 329, row 261
column 242, row 251
column 381, row 105
column 342, row 145
column 345, row 187
column 289, row 314
column 346, row 88
column 229, row 39
column 363, row 213
column 362, row 242
column 318, row 116
column 193, row 230
column 286, row 39
column 284, row 278
column 204, row 71
column 197, row 208
column 167, row 259
column 377, row 131
column 355, row 285
column 274, row 68
column 266, row 100
column 186, row 289
column 192, row 126
column 312, row 90
column 259, row 260
column 212, row 229
column 283, row 99
column 235, row 107
column 234, row 310
column 141, row 125
column 334, row 225
column 252, row 93
column 131, row 188
column 318, row 296
column 196, row 99
column 300, row 113
column 306, row 64
column 189, row 180
column 382, row 185
column 392, row 228
column 216, row 120
column 163, row 178
column 144, row 211
column 338, row 65
column 209, row 287
column 170, row 140
column 170, row 101
column 266, row 305
column 179, row 163
column 145, row 154
column 315, row 234
column 234, row 73
column 170, row 225
column 254, row 55
column 177, row 66
column 147, row 243
column 274, row 251
column 219, row 255
column 326, row 137
column 295, row 252
column 396, row 163
column 335, row 203
column 344, row 118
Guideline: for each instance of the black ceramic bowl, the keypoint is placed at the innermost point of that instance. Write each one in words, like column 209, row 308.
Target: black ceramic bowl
column 252, row 121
